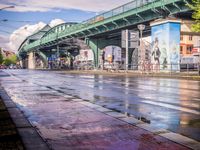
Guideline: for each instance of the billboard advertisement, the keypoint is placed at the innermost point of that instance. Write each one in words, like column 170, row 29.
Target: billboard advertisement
column 113, row 53
column 165, row 52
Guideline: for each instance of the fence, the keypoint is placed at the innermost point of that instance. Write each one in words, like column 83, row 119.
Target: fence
column 188, row 69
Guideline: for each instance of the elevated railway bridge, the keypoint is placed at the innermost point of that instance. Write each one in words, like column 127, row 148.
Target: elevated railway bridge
column 100, row 31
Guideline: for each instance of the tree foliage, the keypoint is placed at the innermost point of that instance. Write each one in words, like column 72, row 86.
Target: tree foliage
column 7, row 62
column 10, row 60
column 195, row 6
column 1, row 57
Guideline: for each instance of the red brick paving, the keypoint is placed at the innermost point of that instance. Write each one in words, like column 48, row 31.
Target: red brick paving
column 71, row 125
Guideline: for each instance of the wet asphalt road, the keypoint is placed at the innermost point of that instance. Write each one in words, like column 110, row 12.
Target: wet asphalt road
column 172, row 104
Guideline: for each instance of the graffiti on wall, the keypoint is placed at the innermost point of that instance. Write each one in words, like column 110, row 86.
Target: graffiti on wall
column 166, row 46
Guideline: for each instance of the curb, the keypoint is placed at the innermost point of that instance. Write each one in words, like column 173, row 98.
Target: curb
column 29, row 136
column 134, row 74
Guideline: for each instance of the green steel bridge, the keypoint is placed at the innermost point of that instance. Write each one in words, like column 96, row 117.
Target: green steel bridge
column 102, row 30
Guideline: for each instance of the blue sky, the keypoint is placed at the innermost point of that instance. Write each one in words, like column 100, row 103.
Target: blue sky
column 16, row 20
column 33, row 14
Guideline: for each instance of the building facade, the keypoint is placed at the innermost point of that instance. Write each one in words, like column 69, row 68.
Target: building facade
column 190, row 41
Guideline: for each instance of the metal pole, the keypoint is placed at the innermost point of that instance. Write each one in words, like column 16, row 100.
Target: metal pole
column 58, row 56
column 141, row 27
column 127, row 45
column 141, row 51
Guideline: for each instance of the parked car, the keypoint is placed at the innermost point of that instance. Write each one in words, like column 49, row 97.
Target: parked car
column 12, row 66
column 3, row 67
column 189, row 62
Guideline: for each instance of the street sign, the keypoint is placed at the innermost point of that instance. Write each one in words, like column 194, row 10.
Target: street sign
column 133, row 39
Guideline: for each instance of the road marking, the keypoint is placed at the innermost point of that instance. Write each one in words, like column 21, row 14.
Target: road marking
column 173, row 107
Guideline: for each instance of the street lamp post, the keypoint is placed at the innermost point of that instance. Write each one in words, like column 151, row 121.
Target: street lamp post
column 7, row 7
column 141, row 27
column 127, row 49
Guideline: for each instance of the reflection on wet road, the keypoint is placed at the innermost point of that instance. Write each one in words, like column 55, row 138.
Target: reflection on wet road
column 168, row 103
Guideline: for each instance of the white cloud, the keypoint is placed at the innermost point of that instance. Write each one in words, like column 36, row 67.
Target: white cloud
column 52, row 5
column 19, row 35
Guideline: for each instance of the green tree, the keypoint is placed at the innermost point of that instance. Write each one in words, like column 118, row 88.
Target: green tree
column 10, row 60
column 196, row 15
column 13, row 59
column 1, row 57
column 7, row 62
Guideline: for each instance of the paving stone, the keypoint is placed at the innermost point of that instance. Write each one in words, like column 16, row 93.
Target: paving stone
column 152, row 129
column 77, row 100
column 102, row 109
column 116, row 114
column 21, row 122
column 31, row 139
column 9, row 138
column 15, row 113
column 182, row 140
column 10, row 104
column 90, row 105
column 2, row 106
column 131, row 120
column 5, row 97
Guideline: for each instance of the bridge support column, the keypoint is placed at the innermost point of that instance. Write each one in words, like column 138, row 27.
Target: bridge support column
column 166, row 49
column 44, row 59
column 99, row 44
column 31, row 60
column 94, row 45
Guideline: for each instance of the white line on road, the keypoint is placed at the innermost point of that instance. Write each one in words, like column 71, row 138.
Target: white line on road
column 173, row 107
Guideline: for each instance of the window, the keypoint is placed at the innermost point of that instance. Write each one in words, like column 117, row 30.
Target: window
column 181, row 38
column 181, row 50
column 190, row 37
column 189, row 49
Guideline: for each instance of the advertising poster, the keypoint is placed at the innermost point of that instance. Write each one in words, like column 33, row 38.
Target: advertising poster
column 113, row 52
column 166, row 46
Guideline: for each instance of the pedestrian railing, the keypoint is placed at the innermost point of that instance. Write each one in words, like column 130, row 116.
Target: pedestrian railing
column 188, row 69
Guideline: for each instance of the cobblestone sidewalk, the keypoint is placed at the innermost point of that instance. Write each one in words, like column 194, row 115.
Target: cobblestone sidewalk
column 9, row 137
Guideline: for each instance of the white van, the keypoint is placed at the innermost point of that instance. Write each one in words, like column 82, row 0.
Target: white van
column 189, row 62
